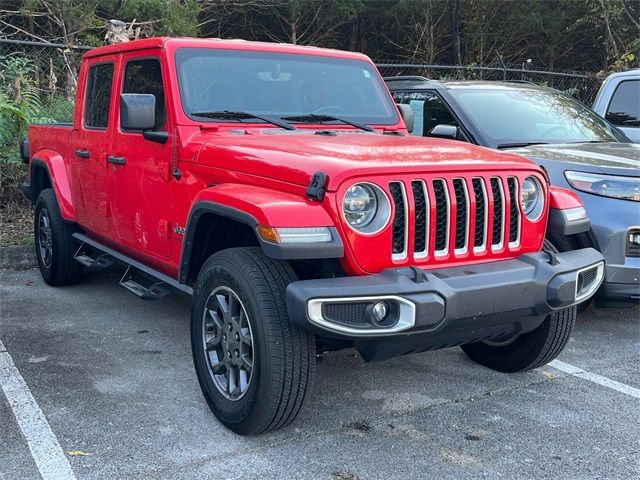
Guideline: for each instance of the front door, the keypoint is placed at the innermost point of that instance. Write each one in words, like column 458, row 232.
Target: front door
column 92, row 142
column 141, row 173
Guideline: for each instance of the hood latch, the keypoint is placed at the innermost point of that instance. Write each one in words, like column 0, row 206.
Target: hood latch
column 317, row 186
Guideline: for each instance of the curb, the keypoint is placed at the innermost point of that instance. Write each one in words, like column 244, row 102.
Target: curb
column 17, row 258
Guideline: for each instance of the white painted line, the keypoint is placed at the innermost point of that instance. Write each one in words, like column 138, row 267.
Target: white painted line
column 595, row 378
column 45, row 449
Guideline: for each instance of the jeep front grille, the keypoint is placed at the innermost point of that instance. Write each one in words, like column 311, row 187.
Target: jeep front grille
column 455, row 216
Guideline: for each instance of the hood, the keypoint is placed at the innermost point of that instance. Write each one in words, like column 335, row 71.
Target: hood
column 610, row 157
column 295, row 156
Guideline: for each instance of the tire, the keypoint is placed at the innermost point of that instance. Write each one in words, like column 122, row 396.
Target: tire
column 54, row 244
column 529, row 350
column 270, row 394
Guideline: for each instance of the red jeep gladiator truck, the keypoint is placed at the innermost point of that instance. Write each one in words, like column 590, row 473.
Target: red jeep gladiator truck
column 276, row 185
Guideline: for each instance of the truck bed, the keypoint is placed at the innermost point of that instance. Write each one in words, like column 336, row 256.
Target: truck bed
column 50, row 136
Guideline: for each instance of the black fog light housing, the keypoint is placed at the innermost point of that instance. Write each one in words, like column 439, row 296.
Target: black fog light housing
column 633, row 243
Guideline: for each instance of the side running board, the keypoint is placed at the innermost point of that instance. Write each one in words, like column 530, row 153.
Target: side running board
column 154, row 291
column 135, row 271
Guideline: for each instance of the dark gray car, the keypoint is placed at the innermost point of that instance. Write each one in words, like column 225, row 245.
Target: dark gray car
column 579, row 149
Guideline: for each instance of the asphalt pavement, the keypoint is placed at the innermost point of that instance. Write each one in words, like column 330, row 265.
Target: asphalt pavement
column 99, row 381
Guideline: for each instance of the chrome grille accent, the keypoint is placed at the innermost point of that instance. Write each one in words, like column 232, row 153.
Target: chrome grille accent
column 462, row 215
column 421, row 228
column 470, row 215
column 443, row 216
column 514, row 218
column 498, row 213
column 482, row 215
column 400, row 221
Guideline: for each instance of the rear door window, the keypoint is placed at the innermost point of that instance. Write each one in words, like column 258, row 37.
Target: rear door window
column 428, row 111
column 98, row 96
column 624, row 108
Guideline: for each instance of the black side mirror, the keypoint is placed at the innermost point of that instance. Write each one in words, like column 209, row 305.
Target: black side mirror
column 444, row 131
column 137, row 111
column 407, row 116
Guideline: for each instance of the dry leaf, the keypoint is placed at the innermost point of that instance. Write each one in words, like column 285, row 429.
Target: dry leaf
column 77, row 453
column 549, row 375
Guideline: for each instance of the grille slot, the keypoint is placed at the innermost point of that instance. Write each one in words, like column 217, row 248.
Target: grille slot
column 442, row 216
column 400, row 220
column 480, row 193
column 498, row 213
column 514, row 220
column 462, row 215
column 421, row 228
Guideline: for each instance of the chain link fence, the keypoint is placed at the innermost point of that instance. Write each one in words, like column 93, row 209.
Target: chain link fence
column 37, row 84
column 582, row 87
column 39, row 79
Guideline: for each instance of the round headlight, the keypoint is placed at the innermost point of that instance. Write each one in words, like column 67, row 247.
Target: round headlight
column 531, row 198
column 366, row 208
column 360, row 205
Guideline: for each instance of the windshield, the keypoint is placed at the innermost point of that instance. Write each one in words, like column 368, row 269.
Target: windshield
column 526, row 115
column 278, row 85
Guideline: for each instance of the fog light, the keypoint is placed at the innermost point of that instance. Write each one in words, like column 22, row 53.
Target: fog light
column 380, row 311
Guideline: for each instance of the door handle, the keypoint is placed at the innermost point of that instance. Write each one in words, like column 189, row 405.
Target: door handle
column 116, row 160
column 83, row 153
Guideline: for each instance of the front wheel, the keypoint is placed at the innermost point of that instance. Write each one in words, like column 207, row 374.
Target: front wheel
column 254, row 367
column 529, row 350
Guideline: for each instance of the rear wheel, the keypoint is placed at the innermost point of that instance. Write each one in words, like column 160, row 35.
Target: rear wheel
column 55, row 246
column 255, row 368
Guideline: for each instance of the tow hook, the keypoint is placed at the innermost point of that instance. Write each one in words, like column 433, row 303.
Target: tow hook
column 418, row 274
column 553, row 258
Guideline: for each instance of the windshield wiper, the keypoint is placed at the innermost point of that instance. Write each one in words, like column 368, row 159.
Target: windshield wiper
column 321, row 118
column 230, row 115
column 521, row 144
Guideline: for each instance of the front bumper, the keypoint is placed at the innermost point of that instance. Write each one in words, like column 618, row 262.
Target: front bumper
column 429, row 309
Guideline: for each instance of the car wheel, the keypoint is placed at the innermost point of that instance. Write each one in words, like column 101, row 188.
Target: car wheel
column 529, row 350
column 54, row 243
column 254, row 367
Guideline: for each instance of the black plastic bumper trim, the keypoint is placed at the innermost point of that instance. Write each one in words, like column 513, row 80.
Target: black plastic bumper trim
column 560, row 225
column 484, row 295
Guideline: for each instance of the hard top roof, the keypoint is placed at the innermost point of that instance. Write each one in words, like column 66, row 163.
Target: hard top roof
column 164, row 42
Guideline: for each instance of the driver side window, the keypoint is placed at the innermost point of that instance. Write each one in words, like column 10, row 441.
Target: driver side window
column 145, row 76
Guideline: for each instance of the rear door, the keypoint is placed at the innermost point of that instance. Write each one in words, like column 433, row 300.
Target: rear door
column 141, row 176
column 92, row 142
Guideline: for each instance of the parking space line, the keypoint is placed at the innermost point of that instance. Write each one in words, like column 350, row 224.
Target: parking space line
column 45, row 449
column 595, row 378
